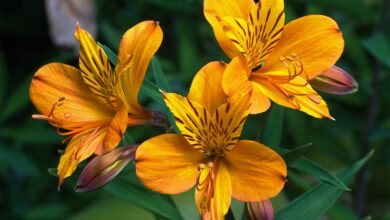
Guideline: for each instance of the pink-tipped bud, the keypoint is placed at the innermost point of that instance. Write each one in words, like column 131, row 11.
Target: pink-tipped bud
column 335, row 81
column 104, row 168
column 261, row 210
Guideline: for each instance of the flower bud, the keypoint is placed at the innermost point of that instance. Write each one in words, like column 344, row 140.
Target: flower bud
column 104, row 168
column 261, row 210
column 335, row 81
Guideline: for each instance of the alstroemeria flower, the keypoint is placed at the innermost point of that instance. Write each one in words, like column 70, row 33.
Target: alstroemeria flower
column 208, row 152
column 93, row 105
column 274, row 60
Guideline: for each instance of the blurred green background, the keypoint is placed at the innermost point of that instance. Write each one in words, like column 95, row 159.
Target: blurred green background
column 29, row 147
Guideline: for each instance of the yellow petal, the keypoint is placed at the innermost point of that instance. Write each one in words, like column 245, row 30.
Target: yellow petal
column 95, row 68
column 229, row 119
column 213, row 191
column 256, row 36
column 191, row 119
column 296, row 94
column 316, row 40
column 206, row 87
column 59, row 89
column 235, row 81
column 167, row 164
column 256, row 171
column 79, row 148
column 136, row 49
column 221, row 8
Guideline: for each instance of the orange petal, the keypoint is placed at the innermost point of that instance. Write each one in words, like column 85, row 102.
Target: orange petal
column 296, row 94
column 116, row 129
column 60, row 89
column 256, row 171
column 315, row 39
column 95, row 68
column 235, row 81
column 213, row 191
column 80, row 147
column 213, row 9
column 191, row 119
column 167, row 164
column 209, row 79
column 136, row 49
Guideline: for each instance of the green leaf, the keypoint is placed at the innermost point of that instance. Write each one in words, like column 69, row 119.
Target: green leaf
column 378, row 47
column 151, row 90
column 305, row 165
column 315, row 202
column 3, row 78
column 273, row 129
column 111, row 208
column 138, row 195
column 110, row 54
column 159, row 75
column 18, row 100
column 296, row 153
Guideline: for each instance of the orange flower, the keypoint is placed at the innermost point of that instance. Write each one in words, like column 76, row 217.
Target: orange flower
column 208, row 152
column 94, row 104
column 274, row 60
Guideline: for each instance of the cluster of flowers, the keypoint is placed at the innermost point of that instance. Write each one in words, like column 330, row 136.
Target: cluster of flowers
column 93, row 105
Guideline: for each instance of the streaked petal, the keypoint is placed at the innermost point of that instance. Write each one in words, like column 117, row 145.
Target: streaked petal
column 236, row 81
column 213, row 191
column 95, row 68
column 257, row 36
column 222, row 8
column 167, row 164
column 59, row 89
column 256, row 171
column 315, row 40
column 136, row 49
column 191, row 119
column 335, row 81
column 206, row 88
column 229, row 120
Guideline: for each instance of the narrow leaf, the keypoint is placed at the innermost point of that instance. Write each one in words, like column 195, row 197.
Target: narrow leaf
column 379, row 48
column 273, row 129
column 305, row 165
column 159, row 75
column 296, row 153
column 320, row 198
column 144, row 198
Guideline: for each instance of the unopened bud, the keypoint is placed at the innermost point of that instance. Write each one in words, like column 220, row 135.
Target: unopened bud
column 104, row 168
column 261, row 210
column 335, row 81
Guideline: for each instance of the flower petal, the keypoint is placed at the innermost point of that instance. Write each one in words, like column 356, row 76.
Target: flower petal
column 116, row 129
column 191, row 118
column 209, row 79
column 213, row 194
column 296, row 94
column 95, row 68
column 167, row 164
column 79, row 148
column 258, row 35
column 136, row 49
column 59, row 89
column 235, row 81
column 256, row 171
column 222, row 8
column 315, row 39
